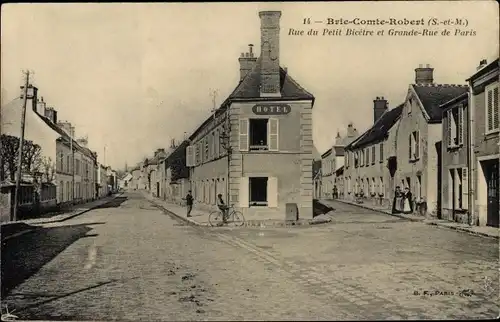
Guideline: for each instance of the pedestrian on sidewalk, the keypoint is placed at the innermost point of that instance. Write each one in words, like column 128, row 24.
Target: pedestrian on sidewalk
column 189, row 203
column 335, row 193
column 397, row 203
column 408, row 201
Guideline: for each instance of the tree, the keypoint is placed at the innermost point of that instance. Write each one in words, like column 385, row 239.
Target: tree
column 32, row 160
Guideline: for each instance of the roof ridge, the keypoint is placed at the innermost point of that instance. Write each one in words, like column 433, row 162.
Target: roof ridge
column 441, row 85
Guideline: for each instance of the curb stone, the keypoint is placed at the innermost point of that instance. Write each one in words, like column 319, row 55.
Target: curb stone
column 477, row 233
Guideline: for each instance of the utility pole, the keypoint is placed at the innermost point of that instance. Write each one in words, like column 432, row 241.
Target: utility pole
column 72, row 134
column 21, row 143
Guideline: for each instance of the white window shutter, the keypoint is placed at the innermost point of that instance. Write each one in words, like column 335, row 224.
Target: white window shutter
column 449, row 119
column 189, row 156
column 410, row 147
column 496, row 109
column 417, row 144
column 273, row 134
column 244, row 192
column 489, row 110
column 272, row 192
column 460, row 125
column 465, row 188
column 244, row 134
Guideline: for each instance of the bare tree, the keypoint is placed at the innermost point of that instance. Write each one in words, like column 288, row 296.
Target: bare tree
column 48, row 170
column 31, row 159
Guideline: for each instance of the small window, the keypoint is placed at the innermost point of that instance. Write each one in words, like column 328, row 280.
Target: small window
column 258, row 191
column 258, row 135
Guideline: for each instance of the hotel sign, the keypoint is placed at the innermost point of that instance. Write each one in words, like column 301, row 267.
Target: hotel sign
column 271, row 109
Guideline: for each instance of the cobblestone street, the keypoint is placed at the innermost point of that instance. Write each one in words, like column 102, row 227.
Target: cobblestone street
column 130, row 261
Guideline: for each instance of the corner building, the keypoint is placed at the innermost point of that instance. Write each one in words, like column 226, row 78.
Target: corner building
column 257, row 150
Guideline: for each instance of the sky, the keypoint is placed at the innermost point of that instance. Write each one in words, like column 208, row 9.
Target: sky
column 133, row 76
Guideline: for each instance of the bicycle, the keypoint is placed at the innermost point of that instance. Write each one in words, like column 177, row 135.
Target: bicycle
column 234, row 216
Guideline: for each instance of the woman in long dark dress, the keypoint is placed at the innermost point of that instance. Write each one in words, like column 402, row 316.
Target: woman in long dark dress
column 396, row 203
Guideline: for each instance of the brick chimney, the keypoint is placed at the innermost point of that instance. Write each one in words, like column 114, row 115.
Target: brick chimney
column 270, row 53
column 51, row 114
column 379, row 107
column 31, row 97
column 40, row 107
column 66, row 126
column 83, row 141
column 424, row 75
column 350, row 130
column 482, row 64
column 247, row 62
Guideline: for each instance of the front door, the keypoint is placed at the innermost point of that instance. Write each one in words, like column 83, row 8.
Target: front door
column 492, row 181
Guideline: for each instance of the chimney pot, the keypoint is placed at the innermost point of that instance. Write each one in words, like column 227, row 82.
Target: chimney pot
column 424, row 75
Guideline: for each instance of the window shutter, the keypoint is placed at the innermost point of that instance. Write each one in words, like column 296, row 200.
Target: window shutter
column 410, row 147
column 465, row 188
column 460, row 125
column 243, row 134
column 449, row 119
column 244, row 192
column 272, row 192
column 273, row 134
column 189, row 156
column 417, row 144
column 496, row 109
column 489, row 110
column 373, row 154
column 381, row 152
column 217, row 143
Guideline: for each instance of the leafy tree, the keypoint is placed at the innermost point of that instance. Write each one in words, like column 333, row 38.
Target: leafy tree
column 32, row 160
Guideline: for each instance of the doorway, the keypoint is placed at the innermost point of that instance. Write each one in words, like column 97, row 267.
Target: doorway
column 491, row 173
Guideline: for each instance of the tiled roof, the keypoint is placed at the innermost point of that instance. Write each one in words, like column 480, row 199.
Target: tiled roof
column 249, row 87
column 380, row 129
column 56, row 128
column 491, row 66
column 433, row 95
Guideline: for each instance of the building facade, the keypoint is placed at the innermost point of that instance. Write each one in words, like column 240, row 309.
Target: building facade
column 485, row 127
column 419, row 139
column 266, row 126
column 455, row 160
column 366, row 169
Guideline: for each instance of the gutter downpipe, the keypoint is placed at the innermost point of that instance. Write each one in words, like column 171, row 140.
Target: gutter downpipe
column 471, row 164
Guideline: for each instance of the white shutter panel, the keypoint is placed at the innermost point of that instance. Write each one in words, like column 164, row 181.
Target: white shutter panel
column 244, row 192
column 489, row 110
column 417, row 144
column 273, row 134
column 189, row 156
column 449, row 118
column 272, row 192
column 496, row 109
column 243, row 134
column 465, row 188
column 460, row 125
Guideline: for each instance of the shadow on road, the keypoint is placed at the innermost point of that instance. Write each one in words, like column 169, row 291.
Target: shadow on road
column 113, row 203
column 23, row 256
column 319, row 208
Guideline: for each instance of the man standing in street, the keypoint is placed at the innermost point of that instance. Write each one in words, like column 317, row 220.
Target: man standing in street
column 189, row 203
column 222, row 207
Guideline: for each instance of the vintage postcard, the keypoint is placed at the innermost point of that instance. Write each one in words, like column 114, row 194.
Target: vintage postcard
column 250, row 161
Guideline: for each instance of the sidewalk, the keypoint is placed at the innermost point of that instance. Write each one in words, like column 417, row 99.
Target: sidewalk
column 475, row 230
column 200, row 217
column 17, row 228
column 75, row 211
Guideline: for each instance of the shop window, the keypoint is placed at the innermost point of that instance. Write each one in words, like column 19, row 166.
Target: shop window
column 258, row 191
column 258, row 134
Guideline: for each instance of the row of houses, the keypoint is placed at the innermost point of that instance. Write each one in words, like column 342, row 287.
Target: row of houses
column 63, row 172
column 441, row 142
column 256, row 149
